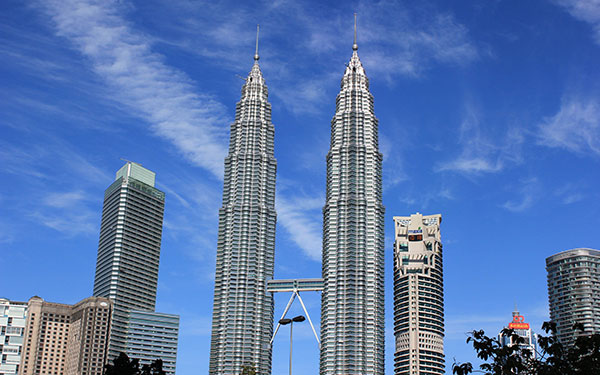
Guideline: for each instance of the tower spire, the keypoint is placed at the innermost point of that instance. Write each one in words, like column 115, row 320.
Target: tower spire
column 354, row 46
column 256, row 57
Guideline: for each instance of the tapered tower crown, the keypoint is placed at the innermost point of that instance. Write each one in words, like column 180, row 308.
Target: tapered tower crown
column 246, row 243
column 353, row 235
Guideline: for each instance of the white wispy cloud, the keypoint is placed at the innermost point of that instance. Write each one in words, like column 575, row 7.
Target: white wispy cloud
column 300, row 216
column 65, row 199
column 162, row 95
column 165, row 97
column 528, row 190
column 575, row 127
column 584, row 10
column 570, row 193
column 406, row 41
column 395, row 40
column 480, row 153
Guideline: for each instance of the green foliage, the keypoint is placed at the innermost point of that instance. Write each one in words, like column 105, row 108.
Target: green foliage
column 248, row 370
column 583, row 358
column 123, row 365
column 155, row 368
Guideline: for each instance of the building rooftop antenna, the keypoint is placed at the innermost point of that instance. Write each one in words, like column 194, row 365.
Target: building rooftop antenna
column 132, row 162
column 354, row 46
column 256, row 57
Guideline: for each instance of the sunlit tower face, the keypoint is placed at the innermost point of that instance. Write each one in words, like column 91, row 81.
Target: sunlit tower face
column 352, row 304
column 242, row 322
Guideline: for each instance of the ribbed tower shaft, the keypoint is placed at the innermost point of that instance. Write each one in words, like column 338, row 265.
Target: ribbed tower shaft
column 243, row 310
column 352, row 307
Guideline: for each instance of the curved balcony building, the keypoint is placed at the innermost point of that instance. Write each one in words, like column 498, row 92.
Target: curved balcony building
column 574, row 292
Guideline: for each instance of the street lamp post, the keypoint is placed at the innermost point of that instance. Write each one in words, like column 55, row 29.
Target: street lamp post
column 285, row 321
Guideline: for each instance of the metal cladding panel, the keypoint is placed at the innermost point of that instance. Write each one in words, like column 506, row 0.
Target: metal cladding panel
column 352, row 305
column 242, row 323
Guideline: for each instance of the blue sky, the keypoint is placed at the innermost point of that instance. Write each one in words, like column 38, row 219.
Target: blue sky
column 489, row 114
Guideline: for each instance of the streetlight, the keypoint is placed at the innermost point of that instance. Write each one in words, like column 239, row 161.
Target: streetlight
column 285, row 321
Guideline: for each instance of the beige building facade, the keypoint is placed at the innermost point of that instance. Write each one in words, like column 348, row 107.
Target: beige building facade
column 418, row 296
column 61, row 339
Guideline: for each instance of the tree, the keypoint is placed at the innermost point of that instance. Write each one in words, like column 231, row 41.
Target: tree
column 553, row 358
column 248, row 370
column 155, row 368
column 123, row 365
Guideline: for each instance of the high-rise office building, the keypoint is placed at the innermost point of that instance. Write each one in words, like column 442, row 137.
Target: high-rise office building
column 242, row 322
column 12, row 327
column 418, row 295
column 574, row 292
column 152, row 335
column 352, row 302
column 66, row 339
column 523, row 330
column 129, row 251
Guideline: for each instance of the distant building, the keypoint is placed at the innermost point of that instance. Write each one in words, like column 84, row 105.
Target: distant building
column 129, row 254
column 12, row 327
column 574, row 292
column 418, row 295
column 66, row 339
column 524, row 331
column 152, row 335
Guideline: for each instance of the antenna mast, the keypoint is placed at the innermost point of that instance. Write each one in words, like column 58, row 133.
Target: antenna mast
column 256, row 52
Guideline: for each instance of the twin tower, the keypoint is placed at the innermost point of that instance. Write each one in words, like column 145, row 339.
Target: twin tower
column 352, row 305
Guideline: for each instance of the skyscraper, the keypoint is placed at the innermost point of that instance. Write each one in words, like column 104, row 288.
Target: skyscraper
column 352, row 302
column 418, row 295
column 127, row 267
column 242, row 322
column 523, row 330
column 129, row 247
column 574, row 292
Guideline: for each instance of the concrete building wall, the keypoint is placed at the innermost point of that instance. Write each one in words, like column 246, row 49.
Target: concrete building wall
column 65, row 339
column 418, row 295
column 12, row 329
column 574, row 292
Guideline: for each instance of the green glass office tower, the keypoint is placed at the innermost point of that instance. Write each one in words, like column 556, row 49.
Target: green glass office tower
column 242, row 322
column 129, row 248
column 352, row 303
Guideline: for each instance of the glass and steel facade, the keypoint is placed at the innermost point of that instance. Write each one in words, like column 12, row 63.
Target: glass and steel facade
column 129, row 248
column 152, row 335
column 418, row 295
column 352, row 302
column 242, row 322
column 574, row 292
column 12, row 327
